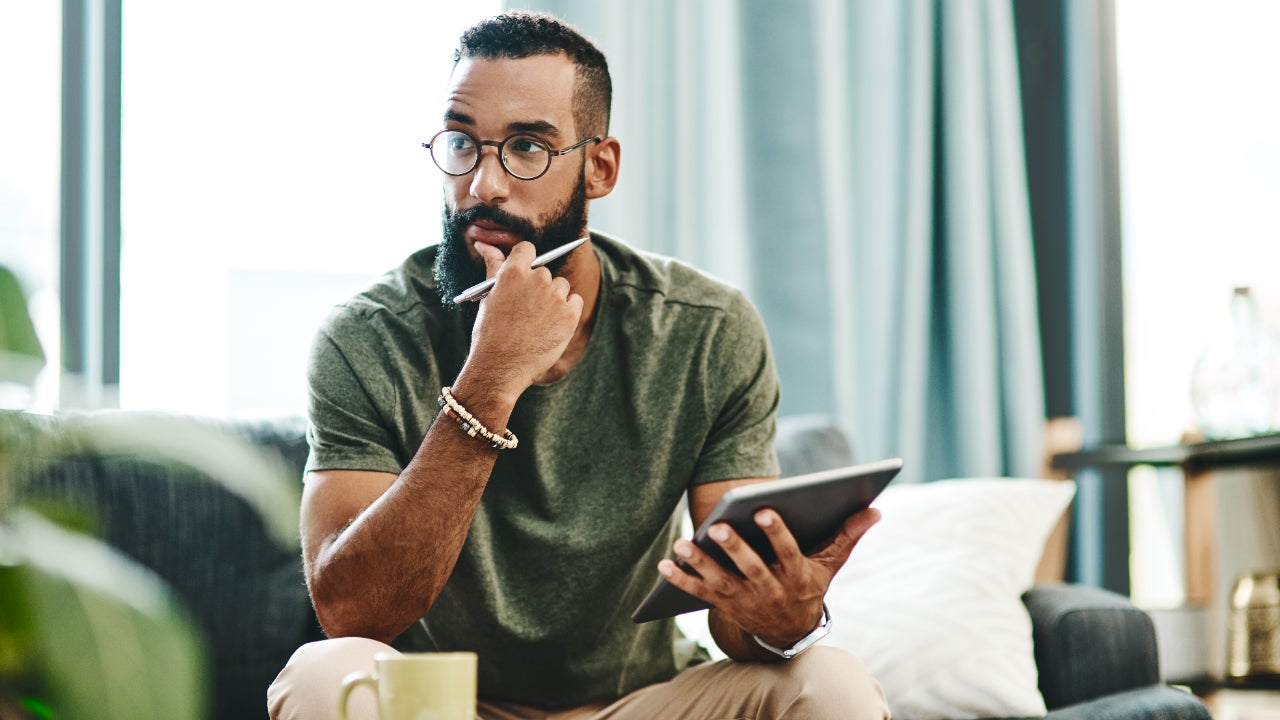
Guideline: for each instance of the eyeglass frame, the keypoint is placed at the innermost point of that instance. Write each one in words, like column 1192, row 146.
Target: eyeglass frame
column 499, row 145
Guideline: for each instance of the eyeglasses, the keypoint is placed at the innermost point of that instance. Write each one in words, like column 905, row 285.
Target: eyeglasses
column 526, row 157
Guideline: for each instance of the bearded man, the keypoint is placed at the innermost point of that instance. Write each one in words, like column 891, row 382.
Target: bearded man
column 506, row 476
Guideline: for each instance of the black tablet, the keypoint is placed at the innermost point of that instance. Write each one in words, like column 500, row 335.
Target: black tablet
column 813, row 506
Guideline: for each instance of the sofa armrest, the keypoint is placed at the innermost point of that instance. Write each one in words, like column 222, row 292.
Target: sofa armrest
column 1158, row 702
column 1089, row 643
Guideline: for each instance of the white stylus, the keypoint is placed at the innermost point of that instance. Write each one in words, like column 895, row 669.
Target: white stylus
column 479, row 290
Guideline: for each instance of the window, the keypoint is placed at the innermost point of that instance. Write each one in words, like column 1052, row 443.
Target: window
column 1200, row 171
column 30, row 68
column 271, row 168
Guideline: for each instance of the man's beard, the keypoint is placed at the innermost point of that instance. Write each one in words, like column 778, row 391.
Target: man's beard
column 456, row 269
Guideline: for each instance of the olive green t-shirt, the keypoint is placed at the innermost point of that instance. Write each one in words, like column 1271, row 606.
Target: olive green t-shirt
column 676, row 387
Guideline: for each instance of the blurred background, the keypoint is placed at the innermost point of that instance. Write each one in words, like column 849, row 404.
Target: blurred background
column 959, row 219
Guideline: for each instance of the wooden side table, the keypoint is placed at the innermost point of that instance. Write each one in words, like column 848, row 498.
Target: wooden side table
column 1224, row 482
column 1200, row 463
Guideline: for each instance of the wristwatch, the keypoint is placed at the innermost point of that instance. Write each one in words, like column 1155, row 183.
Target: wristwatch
column 804, row 643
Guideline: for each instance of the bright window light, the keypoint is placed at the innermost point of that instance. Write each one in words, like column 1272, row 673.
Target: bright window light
column 1200, row 170
column 1200, row 166
column 30, row 76
column 271, row 168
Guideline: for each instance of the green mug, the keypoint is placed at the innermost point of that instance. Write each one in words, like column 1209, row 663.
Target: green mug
column 418, row 686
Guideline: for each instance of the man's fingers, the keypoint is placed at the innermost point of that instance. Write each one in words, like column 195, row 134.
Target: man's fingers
column 780, row 537
column 522, row 254
column 492, row 257
column 686, row 580
column 742, row 554
column 561, row 287
column 714, row 579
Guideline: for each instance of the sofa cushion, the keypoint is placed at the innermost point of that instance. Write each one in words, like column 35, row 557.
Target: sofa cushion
column 931, row 600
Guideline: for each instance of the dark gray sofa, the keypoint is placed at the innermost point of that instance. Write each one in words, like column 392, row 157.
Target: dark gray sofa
column 1095, row 651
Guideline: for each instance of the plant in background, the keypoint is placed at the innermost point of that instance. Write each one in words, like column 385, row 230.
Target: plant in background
column 86, row 631
column 21, row 357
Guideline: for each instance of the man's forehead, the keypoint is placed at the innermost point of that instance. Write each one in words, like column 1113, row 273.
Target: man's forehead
column 505, row 91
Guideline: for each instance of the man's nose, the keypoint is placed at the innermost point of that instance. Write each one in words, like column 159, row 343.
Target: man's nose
column 489, row 180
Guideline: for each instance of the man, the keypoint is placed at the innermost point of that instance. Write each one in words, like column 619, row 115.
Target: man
column 504, row 477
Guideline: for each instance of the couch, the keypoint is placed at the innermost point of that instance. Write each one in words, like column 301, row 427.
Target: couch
column 1095, row 651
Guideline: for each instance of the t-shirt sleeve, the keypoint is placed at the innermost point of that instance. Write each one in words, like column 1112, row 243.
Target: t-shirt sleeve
column 741, row 441
column 346, row 430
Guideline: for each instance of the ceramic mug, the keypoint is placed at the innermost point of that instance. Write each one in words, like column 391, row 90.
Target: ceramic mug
column 418, row 686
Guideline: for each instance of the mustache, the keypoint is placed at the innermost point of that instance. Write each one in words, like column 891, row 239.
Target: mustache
column 497, row 216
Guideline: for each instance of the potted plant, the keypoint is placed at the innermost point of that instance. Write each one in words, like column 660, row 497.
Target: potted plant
column 86, row 631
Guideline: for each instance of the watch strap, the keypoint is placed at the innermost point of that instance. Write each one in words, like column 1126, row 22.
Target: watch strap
column 804, row 643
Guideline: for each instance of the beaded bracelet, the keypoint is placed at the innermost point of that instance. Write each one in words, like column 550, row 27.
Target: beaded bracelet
column 454, row 411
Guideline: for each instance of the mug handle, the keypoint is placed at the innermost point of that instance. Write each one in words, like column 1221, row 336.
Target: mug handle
column 351, row 682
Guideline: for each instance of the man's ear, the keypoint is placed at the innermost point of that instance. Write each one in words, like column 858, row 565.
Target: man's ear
column 602, row 167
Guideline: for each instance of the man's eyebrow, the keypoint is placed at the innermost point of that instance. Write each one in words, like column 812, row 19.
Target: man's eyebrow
column 537, row 127
column 455, row 116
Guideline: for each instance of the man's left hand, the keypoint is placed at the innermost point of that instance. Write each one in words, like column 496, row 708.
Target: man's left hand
column 779, row 602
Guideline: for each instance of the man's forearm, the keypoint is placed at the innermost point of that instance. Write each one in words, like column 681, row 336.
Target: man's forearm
column 385, row 570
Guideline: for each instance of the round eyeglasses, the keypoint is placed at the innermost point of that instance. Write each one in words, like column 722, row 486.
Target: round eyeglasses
column 526, row 157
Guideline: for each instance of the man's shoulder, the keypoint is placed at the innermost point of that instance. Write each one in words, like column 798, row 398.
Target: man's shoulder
column 633, row 271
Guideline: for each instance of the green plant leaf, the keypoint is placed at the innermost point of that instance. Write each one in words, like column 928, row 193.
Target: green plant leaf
column 21, row 357
column 84, row 629
column 105, row 639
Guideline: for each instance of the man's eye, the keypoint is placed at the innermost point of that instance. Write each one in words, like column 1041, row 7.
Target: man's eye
column 527, row 146
column 459, row 143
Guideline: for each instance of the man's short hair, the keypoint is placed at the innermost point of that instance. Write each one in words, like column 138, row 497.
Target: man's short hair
column 519, row 34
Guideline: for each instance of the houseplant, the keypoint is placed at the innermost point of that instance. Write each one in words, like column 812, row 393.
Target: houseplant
column 85, row 631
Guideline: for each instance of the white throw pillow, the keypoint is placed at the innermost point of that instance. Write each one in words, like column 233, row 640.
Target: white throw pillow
column 930, row 600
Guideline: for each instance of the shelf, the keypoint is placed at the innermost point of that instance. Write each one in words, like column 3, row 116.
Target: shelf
column 1263, row 449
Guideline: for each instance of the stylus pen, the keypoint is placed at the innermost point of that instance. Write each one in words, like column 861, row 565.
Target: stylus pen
column 479, row 290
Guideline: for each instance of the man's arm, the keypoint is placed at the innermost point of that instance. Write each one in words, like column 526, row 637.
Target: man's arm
column 780, row 603
column 378, row 548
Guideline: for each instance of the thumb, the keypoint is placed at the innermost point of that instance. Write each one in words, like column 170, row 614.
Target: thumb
column 492, row 257
column 854, row 527
column 859, row 523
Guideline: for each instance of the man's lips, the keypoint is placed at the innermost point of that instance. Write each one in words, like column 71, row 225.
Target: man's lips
column 491, row 233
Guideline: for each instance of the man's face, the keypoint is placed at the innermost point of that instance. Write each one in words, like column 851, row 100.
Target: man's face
column 492, row 99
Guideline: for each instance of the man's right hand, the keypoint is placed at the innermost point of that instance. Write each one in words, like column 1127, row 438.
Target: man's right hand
column 525, row 323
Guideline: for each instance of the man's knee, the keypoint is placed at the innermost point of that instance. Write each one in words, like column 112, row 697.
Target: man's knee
column 309, row 684
column 828, row 682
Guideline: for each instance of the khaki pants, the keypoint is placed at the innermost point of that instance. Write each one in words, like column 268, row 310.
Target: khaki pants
column 822, row 683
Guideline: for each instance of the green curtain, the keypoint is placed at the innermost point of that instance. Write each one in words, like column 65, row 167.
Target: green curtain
column 857, row 168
